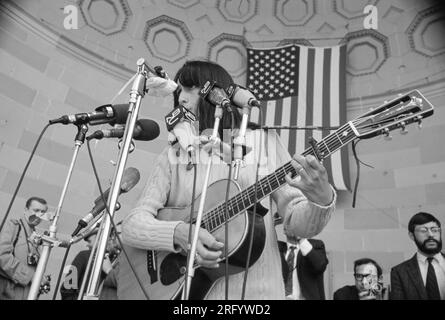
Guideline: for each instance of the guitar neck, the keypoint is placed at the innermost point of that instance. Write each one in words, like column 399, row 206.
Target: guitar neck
column 268, row 184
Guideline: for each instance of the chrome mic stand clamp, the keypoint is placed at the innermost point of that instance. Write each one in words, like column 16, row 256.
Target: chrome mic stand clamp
column 41, row 266
column 137, row 92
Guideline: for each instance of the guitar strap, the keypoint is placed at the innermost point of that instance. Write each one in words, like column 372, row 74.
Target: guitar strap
column 16, row 239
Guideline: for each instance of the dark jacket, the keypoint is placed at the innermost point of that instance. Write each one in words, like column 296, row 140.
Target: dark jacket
column 310, row 269
column 346, row 293
column 406, row 281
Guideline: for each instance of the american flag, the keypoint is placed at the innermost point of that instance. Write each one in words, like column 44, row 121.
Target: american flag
column 302, row 86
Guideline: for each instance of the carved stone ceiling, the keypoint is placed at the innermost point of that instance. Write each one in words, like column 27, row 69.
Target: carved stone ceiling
column 118, row 32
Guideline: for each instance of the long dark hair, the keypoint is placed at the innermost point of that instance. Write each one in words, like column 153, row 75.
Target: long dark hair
column 196, row 73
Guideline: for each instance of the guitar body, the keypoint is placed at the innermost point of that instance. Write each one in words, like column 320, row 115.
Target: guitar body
column 163, row 273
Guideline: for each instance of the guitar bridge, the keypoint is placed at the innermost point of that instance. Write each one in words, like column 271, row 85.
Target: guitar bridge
column 151, row 265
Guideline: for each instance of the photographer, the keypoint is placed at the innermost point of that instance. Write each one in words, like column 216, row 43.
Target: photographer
column 19, row 255
column 368, row 283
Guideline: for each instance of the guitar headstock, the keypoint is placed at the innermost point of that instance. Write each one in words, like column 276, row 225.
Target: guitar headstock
column 395, row 114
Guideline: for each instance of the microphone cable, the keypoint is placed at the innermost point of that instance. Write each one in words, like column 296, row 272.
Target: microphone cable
column 252, row 229
column 56, row 289
column 357, row 178
column 23, row 175
column 112, row 222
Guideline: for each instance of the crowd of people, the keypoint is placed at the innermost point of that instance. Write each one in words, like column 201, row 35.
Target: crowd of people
column 282, row 270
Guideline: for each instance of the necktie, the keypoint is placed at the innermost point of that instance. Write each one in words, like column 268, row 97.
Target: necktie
column 432, row 288
column 291, row 267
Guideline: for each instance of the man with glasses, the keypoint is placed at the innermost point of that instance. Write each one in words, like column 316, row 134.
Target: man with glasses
column 423, row 276
column 368, row 282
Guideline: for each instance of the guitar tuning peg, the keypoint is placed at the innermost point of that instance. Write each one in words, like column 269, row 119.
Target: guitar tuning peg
column 419, row 122
column 386, row 134
column 403, row 126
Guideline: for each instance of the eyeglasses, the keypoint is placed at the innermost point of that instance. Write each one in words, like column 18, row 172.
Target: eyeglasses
column 424, row 230
column 361, row 276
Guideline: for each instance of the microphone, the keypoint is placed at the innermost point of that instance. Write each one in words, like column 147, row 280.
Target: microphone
column 145, row 130
column 241, row 96
column 113, row 114
column 130, row 178
column 179, row 125
column 214, row 94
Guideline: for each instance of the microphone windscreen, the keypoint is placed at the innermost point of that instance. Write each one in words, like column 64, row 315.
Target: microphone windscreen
column 130, row 178
column 120, row 114
column 149, row 130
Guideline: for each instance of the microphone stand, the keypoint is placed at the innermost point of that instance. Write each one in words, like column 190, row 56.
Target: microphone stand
column 192, row 254
column 240, row 141
column 88, row 267
column 41, row 266
column 136, row 94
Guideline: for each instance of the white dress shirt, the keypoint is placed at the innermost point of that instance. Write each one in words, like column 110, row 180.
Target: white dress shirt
column 305, row 247
column 438, row 263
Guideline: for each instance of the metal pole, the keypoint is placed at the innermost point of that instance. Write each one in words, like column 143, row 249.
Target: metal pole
column 41, row 266
column 136, row 94
column 191, row 257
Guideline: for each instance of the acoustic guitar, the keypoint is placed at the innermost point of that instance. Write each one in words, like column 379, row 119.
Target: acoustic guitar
column 163, row 273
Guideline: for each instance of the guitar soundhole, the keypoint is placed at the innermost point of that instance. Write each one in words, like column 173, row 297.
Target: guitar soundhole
column 171, row 267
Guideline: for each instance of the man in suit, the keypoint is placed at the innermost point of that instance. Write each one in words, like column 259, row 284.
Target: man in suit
column 368, row 282
column 423, row 276
column 303, row 263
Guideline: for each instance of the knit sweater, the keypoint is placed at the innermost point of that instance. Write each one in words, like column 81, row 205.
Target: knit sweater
column 171, row 184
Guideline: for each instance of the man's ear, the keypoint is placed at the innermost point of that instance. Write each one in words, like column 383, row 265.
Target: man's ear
column 411, row 236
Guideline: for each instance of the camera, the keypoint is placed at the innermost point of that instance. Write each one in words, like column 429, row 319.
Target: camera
column 32, row 259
